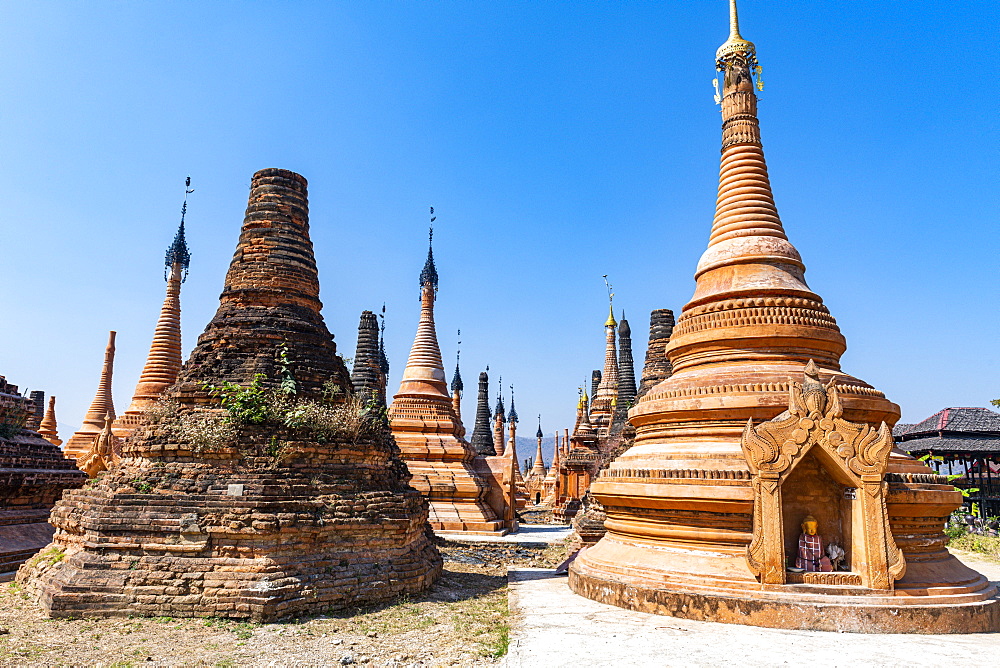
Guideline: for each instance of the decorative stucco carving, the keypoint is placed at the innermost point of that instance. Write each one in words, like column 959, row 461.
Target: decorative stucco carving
column 854, row 452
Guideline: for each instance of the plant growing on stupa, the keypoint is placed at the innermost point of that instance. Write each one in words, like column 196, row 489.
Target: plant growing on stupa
column 13, row 417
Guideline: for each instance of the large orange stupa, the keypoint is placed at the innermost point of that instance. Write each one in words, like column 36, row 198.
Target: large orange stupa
column 759, row 432
column 430, row 435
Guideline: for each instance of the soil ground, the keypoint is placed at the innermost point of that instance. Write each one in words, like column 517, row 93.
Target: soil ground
column 463, row 620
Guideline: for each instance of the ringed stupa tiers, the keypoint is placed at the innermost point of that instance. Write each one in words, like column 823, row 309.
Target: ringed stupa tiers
column 430, row 435
column 216, row 513
column 366, row 375
column 482, row 432
column 164, row 360
column 605, row 395
column 80, row 443
column 758, row 438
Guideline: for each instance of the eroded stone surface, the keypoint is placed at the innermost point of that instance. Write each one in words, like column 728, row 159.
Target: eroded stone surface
column 33, row 474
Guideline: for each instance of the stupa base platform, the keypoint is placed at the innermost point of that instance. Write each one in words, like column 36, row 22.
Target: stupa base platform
column 466, row 530
column 253, row 544
column 448, row 517
column 457, row 500
column 970, row 608
column 21, row 541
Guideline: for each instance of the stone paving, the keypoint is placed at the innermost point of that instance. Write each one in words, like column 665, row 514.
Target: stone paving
column 553, row 627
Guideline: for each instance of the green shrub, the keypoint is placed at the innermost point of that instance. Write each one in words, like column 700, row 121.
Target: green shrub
column 988, row 545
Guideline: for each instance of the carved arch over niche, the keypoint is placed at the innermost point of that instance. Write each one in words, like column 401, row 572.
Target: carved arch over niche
column 850, row 451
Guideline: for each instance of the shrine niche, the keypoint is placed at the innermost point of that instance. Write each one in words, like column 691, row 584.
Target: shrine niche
column 831, row 454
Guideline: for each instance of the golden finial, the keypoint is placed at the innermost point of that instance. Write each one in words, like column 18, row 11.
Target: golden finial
column 735, row 44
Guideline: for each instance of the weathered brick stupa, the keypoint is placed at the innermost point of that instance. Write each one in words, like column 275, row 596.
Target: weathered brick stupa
column 33, row 474
column 428, row 431
column 164, row 360
column 482, row 434
column 656, row 367
column 626, row 376
column 759, row 456
column 80, row 443
column 259, row 488
column 366, row 375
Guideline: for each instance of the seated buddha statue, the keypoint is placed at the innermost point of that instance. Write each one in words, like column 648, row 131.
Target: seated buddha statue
column 812, row 555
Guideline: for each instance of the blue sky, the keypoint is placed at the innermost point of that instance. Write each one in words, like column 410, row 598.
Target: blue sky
column 557, row 142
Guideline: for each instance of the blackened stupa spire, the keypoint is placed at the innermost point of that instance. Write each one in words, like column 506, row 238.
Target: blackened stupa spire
column 456, row 380
column 429, row 273
column 482, row 436
column 499, row 410
column 383, row 361
column 626, row 366
column 177, row 253
column 256, row 315
column 366, row 375
column 512, row 415
column 457, row 387
column 657, row 366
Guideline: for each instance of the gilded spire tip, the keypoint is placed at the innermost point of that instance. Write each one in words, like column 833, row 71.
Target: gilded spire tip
column 735, row 44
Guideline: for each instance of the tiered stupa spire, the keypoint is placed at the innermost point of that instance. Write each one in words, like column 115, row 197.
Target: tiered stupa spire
column 383, row 360
column 657, row 366
column 37, row 398
column 605, row 397
column 550, row 484
column 49, row 428
column 482, row 435
column 704, row 500
column 458, row 387
column 164, row 360
column 102, row 405
column 626, row 364
column 429, row 433
column 366, row 374
column 499, row 421
column 538, row 468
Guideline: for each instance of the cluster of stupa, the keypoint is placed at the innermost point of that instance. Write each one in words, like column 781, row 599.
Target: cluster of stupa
column 746, row 478
column 601, row 430
column 471, row 487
